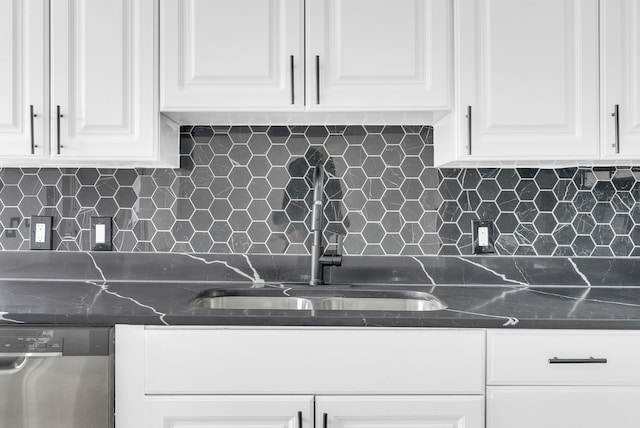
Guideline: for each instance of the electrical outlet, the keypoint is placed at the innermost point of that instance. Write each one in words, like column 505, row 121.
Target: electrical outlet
column 483, row 239
column 101, row 234
column 41, row 234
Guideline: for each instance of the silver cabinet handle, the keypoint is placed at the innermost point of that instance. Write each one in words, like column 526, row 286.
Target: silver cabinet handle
column 293, row 86
column 58, row 116
column 616, row 115
column 33, row 141
column 468, row 130
column 317, row 79
column 590, row 360
column 325, row 418
column 299, row 419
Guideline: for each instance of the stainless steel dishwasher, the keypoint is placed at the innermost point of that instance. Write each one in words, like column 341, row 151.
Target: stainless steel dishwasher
column 56, row 377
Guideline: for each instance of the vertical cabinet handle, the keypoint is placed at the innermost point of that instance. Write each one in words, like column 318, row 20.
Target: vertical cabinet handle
column 33, row 141
column 299, row 419
column 324, row 420
column 293, row 86
column 58, row 116
column 317, row 79
column 469, row 130
column 616, row 115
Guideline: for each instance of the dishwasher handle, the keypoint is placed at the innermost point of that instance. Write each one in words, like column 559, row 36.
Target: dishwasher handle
column 12, row 365
column 13, row 362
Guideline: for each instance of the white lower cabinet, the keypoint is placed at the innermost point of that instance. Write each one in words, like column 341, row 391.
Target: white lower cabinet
column 563, row 379
column 324, row 377
column 179, row 377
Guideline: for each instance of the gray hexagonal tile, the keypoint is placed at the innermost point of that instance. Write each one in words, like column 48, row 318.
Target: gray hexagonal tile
column 507, row 179
column 622, row 246
column 163, row 219
column 545, row 201
column 164, row 176
column 545, row 223
column 411, row 144
column 202, row 134
column 259, row 166
column 546, row 179
column 392, row 200
column 527, row 190
column 240, row 176
column 411, row 210
column 258, row 210
column 144, row 230
column 278, row 155
column 544, row 245
column 125, row 219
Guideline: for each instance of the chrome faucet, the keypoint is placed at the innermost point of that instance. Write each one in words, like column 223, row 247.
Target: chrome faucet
column 319, row 258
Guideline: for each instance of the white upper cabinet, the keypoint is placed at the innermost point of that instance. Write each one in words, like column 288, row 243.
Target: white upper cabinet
column 296, row 58
column 232, row 54
column 529, row 72
column 620, row 70
column 526, row 82
column 79, row 85
column 102, row 79
column 22, row 78
column 378, row 54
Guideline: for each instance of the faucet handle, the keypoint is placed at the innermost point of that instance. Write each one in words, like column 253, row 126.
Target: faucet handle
column 335, row 241
column 333, row 257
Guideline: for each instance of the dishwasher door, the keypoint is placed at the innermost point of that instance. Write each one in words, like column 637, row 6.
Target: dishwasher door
column 56, row 378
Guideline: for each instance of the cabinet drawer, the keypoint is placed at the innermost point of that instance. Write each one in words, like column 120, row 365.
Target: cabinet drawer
column 563, row 358
column 563, row 406
column 313, row 361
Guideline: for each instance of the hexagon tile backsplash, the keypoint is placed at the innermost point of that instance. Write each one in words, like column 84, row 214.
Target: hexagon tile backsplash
column 247, row 190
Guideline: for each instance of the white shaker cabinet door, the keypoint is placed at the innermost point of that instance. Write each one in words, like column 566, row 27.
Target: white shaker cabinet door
column 103, row 79
column 378, row 55
column 222, row 411
column 22, row 78
column 562, row 407
column 219, row 55
column 528, row 79
column 426, row 411
column 620, row 68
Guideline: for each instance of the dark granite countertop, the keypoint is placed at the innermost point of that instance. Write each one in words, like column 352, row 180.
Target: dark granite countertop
column 109, row 289
column 478, row 306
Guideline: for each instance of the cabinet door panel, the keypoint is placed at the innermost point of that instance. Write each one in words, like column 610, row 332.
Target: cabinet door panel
column 217, row 56
column 103, row 78
column 401, row 411
column 620, row 67
column 228, row 411
column 529, row 70
column 22, row 77
column 562, row 407
column 431, row 361
column 378, row 54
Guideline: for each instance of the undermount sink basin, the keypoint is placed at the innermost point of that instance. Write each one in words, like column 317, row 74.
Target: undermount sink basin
column 310, row 298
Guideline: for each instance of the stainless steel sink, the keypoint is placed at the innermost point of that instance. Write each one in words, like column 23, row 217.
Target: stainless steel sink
column 307, row 298
column 254, row 302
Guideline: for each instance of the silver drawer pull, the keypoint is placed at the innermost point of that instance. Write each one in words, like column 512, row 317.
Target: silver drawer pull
column 590, row 360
